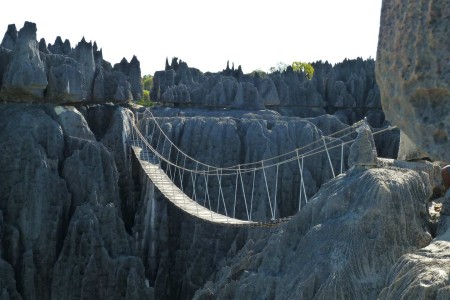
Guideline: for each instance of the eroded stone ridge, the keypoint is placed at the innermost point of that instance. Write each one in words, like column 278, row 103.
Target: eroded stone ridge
column 347, row 90
column 32, row 71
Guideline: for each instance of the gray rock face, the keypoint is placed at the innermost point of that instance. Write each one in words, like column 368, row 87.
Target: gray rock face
column 226, row 141
column 62, row 232
column 28, row 68
column 363, row 152
column 414, row 74
column 25, row 75
column 423, row 273
column 348, row 85
column 10, row 38
column 348, row 230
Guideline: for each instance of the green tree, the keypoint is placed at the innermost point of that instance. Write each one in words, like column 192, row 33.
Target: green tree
column 306, row 68
column 147, row 82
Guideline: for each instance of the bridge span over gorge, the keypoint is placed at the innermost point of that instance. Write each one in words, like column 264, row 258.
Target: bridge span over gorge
column 206, row 191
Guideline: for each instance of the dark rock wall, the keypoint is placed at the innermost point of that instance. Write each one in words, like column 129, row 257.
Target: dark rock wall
column 63, row 234
column 36, row 72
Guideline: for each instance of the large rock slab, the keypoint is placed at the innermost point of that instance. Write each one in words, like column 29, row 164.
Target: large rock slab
column 340, row 246
column 413, row 71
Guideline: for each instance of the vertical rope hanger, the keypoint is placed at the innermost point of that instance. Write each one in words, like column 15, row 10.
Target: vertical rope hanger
column 267, row 189
column 275, row 200
column 328, row 154
column 154, row 156
column 243, row 192
column 302, row 183
column 253, row 190
column 235, row 195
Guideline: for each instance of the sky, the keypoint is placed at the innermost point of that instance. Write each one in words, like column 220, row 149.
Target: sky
column 207, row 34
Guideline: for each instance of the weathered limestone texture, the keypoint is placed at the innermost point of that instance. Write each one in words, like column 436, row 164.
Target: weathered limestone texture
column 36, row 72
column 413, row 71
column 340, row 246
column 348, row 90
column 62, row 233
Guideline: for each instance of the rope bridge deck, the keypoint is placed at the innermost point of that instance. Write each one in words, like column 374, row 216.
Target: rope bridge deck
column 165, row 165
column 176, row 196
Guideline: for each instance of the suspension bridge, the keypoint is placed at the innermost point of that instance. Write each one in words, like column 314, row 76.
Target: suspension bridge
column 228, row 195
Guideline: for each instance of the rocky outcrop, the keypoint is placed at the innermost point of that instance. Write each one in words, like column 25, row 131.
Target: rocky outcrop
column 25, row 74
column 357, row 226
column 36, row 72
column 423, row 274
column 62, row 231
column 413, row 72
column 363, row 152
column 347, row 90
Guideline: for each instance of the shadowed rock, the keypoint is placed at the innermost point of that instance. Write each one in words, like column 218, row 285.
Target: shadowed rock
column 32, row 71
column 347, row 85
column 25, row 75
column 10, row 38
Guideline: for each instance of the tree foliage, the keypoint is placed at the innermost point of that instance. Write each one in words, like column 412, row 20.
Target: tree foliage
column 306, row 68
column 147, row 82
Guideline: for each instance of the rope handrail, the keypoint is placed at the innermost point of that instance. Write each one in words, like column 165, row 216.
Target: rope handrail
column 232, row 171
column 234, row 167
column 159, row 163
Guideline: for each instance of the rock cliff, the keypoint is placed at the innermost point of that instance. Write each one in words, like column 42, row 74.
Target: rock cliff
column 62, row 231
column 340, row 246
column 413, row 72
column 347, row 90
column 31, row 71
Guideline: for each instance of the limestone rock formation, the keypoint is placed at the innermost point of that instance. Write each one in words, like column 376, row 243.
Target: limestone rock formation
column 363, row 152
column 346, row 231
column 422, row 274
column 62, row 233
column 413, row 72
column 347, row 89
column 25, row 74
column 10, row 39
column 36, row 72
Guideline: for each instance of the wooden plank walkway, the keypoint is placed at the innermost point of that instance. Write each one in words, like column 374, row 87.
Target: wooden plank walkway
column 177, row 197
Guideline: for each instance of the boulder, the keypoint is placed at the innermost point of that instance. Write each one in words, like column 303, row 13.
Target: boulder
column 413, row 72
column 73, row 123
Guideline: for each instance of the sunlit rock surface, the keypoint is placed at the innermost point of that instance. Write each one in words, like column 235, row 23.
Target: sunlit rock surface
column 413, row 72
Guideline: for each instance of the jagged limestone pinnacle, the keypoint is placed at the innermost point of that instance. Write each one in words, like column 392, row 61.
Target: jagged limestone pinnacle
column 363, row 152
